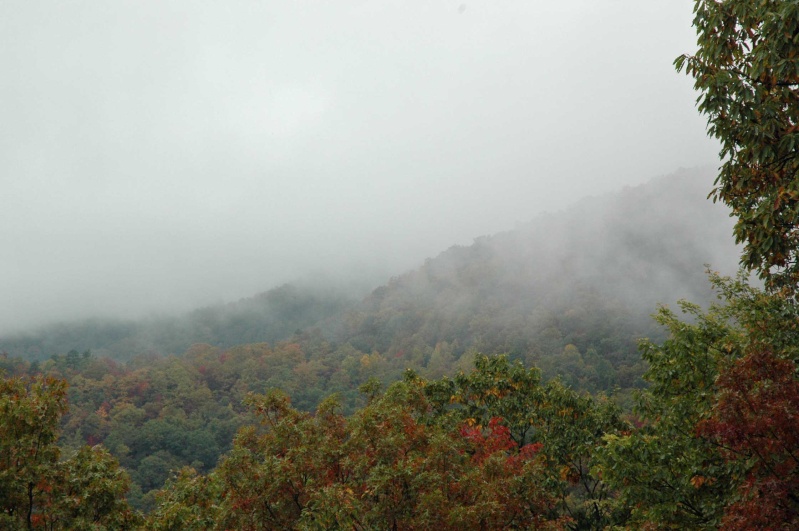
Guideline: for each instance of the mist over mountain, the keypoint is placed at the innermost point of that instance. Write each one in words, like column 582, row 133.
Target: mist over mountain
column 157, row 160
column 583, row 281
column 266, row 317
column 587, row 277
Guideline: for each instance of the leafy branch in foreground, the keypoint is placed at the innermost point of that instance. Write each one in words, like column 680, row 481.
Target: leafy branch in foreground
column 747, row 70
column 720, row 445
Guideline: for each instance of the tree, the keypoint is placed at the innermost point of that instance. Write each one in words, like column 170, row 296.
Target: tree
column 720, row 445
column 90, row 493
column 565, row 425
column 189, row 502
column 755, row 414
column 29, row 413
column 756, row 419
column 271, row 479
column 664, row 471
column 36, row 490
column 747, row 70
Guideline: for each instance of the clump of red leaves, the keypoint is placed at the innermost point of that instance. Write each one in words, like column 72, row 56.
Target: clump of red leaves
column 756, row 419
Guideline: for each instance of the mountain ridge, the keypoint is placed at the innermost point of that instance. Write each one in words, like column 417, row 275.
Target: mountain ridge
column 616, row 255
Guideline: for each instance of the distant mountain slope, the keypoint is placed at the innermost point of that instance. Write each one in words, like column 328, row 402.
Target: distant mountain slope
column 267, row 317
column 570, row 292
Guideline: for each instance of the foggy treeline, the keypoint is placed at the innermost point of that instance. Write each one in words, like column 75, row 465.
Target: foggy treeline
column 605, row 262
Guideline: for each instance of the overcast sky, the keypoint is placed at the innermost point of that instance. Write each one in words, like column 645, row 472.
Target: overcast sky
column 156, row 155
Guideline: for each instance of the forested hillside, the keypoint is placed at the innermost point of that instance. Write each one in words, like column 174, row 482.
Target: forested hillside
column 493, row 447
column 270, row 316
column 586, row 278
column 570, row 293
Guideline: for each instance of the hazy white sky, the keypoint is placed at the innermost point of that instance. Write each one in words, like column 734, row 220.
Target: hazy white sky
column 156, row 155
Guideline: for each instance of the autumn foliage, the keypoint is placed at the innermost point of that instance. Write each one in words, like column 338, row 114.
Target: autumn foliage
column 39, row 491
column 392, row 465
column 756, row 419
column 414, row 457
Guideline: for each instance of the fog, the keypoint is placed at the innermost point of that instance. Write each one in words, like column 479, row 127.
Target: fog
column 157, row 156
